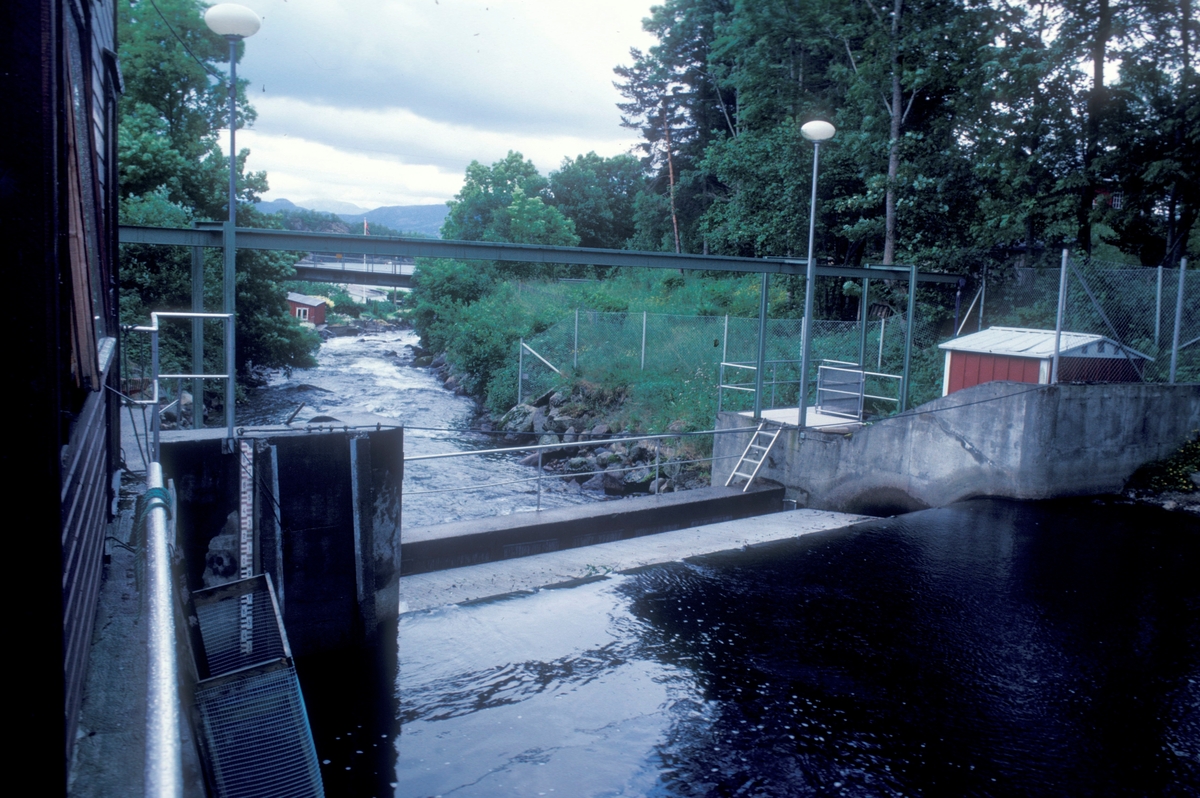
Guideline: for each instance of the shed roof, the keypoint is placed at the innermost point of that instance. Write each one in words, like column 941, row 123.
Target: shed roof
column 1025, row 342
column 304, row 299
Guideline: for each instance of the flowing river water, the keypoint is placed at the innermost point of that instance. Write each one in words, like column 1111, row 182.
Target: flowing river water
column 374, row 374
column 989, row 648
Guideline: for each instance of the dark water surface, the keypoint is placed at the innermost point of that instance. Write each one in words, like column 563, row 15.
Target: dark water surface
column 991, row 648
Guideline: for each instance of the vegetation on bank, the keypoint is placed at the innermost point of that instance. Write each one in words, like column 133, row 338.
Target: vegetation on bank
column 1172, row 474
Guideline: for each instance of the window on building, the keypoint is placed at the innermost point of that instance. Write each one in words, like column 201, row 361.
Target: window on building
column 302, row 314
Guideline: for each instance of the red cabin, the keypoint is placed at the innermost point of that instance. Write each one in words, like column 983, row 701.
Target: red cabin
column 1017, row 354
column 307, row 308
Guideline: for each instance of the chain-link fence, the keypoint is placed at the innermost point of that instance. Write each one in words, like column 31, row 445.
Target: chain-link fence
column 705, row 352
column 1135, row 307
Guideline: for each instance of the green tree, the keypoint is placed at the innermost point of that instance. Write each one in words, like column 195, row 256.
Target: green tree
column 598, row 194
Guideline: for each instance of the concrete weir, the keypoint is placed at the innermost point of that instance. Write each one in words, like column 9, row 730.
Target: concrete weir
column 1000, row 439
column 454, row 545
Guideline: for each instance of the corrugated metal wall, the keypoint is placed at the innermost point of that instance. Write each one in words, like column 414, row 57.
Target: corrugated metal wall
column 972, row 368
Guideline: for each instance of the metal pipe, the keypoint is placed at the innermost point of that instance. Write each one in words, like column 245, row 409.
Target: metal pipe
column 762, row 345
column 154, row 419
column 982, row 296
column 229, row 275
column 197, row 336
column 539, row 481
column 1058, row 321
column 163, row 774
column 520, row 369
column 809, row 280
column 908, row 338
column 575, row 352
column 862, row 333
column 1178, row 318
column 882, row 333
column 643, row 340
column 1158, row 306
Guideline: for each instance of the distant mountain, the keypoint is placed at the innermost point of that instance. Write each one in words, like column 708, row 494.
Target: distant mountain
column 424, row 219
column 332, row 206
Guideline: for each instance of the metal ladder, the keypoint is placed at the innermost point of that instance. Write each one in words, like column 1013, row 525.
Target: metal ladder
column 754, row 446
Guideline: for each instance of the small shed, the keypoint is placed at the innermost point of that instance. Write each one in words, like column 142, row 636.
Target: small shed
column 306, row 308
column 1019, row 354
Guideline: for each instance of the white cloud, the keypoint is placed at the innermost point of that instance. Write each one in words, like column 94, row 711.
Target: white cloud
column 394, row 99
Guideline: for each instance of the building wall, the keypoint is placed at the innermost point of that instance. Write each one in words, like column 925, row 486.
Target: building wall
column 1001, row 439
column 972, row 368
column 57, row 214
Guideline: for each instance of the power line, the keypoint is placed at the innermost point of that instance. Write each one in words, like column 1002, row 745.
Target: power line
column 221, row 78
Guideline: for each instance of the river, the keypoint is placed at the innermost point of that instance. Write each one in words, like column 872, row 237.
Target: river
column 989, row 648
column 374, row 373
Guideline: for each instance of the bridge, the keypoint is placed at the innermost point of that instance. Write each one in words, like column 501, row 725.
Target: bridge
column 385, row 249
column 367, row 270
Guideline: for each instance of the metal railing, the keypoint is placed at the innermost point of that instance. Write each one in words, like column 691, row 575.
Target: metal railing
column 163, row 774
column 156, row 377
column 751, row 387
column 670, row 466
column 827, row 366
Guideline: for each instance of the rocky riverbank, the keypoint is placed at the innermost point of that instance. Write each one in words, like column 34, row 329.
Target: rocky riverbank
column 588, row 452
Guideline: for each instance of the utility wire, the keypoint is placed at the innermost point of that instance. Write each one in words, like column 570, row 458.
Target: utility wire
column 220, row 78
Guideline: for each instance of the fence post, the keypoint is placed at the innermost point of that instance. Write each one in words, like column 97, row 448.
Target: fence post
column 520, row 368
column 1178, row 319
column 908, row 335
column 539, row 481
column 575, row 353
column 1158, row 306
column 862, row 333
column 982, row 296
column 197, row 338
column 762, row 346
column 643, row 340
column 883, row 330
column 725, row 341
column 1058, row 321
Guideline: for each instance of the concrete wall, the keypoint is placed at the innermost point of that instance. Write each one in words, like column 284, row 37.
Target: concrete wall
column 996, row 439
column 522, row 534
column 327, row 523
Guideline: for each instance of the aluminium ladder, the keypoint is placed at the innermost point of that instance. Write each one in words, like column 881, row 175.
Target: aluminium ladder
column 761, row 451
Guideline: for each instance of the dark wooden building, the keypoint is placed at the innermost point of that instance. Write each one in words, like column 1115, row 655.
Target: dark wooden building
column 60, row 81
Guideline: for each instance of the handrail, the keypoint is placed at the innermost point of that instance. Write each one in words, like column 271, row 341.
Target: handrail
column 154, row 329
column 163, row 774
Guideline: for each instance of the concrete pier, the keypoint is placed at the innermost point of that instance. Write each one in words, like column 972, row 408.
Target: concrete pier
column 1000, row 439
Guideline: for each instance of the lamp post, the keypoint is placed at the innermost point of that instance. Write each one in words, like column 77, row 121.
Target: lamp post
column 816, row 132
column 234, row 23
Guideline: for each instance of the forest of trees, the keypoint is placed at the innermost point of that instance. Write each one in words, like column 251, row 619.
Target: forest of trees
column 966, row 130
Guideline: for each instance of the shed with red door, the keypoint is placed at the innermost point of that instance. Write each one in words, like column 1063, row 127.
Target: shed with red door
column 1019, row 354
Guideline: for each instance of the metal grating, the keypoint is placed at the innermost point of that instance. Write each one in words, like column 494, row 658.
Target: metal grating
column 256, row 732
column 239, row 629
column 252, row 718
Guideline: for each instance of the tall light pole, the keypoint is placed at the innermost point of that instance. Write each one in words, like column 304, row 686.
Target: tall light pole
column 816, row 132
column 234, row 22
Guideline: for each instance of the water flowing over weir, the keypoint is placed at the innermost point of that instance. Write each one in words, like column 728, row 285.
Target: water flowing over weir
column 373, row 373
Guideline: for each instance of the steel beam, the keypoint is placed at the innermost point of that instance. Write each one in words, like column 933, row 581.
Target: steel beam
column 383, row 246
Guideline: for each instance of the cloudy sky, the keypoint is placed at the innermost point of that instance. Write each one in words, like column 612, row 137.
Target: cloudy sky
column 385, row 102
